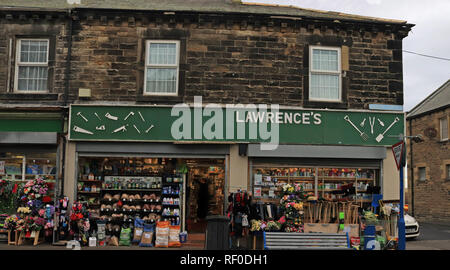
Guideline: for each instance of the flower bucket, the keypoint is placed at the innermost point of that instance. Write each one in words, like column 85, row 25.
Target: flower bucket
column 28, row 234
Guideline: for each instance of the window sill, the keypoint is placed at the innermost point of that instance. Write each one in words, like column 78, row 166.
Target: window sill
column 324, row 104
column 159, row 99
column 28, row 96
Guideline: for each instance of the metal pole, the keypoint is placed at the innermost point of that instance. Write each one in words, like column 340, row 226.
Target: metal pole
column 401, row 222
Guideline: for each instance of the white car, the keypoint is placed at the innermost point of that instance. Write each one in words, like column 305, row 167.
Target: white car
column 411, row 227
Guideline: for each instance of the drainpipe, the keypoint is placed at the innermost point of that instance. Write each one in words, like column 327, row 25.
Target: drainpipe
column 66, row 95
column 68, row 60
column 412, row 168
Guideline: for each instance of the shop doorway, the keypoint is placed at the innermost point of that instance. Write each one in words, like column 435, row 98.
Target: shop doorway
column 204, row 192
column 183, row 191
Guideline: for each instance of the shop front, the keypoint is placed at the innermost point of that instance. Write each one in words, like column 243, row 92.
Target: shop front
column 178, row 165
column 30, row 150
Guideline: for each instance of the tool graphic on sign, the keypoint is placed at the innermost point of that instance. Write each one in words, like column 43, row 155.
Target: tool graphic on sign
column 363, row 122
column 380, row 137
column 137, row 129
column 109, row 116
column 362, row 134
column 143, row 120
column 79, row 114
column 81, row 130
column 131, row 113
column 381, row 122
column 149, row 129
column 102, row 127
column 122, row 128
column 372, row 123
column 97, row 116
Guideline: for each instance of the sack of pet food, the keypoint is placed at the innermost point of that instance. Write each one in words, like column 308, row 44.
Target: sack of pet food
column 174, row 236
column 138, row 229
column 147, row 235
column 125, row 237
column 114, row 241
column 162, row 234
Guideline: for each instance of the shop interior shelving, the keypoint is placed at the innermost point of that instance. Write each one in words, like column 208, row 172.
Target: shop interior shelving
column 274, row 177
column 321, row 181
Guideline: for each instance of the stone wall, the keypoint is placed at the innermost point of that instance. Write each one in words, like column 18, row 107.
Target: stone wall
column 432, row 196
column 14, row 26
column 224, row 58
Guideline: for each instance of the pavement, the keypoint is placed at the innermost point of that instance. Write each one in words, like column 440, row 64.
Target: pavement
column 432, row 237
column 194, row 242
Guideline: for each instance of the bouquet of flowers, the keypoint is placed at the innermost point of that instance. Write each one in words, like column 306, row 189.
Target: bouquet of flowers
column 255, row 225
column 34, row 189
column 38, row 224
column 24, row 210
column 11, row 222
column 273, row 226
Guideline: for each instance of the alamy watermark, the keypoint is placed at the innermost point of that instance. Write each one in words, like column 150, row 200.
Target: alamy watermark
column 241, row 122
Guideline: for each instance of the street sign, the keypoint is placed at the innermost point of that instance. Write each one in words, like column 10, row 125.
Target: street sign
column 397, row 150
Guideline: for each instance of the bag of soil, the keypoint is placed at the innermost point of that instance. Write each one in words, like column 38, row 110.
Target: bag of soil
column 147, row 235
column 162, row 234
column 125, row 237
column 174, row 236
column 138, row 229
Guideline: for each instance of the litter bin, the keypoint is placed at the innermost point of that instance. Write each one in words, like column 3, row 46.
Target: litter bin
column 370, row 242
column 217, row 233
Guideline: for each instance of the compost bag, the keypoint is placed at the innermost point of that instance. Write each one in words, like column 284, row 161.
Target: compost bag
column 147, row 235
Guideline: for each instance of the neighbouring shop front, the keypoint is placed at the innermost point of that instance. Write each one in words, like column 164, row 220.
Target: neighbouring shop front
column 30, row 152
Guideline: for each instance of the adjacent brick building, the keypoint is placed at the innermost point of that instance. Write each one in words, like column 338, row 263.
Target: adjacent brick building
column 429, row 161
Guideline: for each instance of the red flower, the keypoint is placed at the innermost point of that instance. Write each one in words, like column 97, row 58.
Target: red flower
column 14, row 189
column 46, row 199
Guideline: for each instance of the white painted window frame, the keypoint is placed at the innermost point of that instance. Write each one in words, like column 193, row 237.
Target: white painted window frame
column 321, row 72
column 176, row 65
column 30, row 64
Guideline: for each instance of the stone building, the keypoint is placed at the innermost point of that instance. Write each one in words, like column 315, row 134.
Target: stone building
column 65, row 66
column 429, row 161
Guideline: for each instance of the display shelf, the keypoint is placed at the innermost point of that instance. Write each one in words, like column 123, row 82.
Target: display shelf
column 88, row 192
column 171, row 205
column 90, row 181
column 137, row 189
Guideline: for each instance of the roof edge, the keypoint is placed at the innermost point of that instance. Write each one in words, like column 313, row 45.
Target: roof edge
column 435, row 92
column 354, row 16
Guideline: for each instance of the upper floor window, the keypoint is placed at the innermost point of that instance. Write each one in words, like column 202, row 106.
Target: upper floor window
column 447, row 171
column 422, row 174
column 31, row 71
column 444, row 128
column 325, row 74
column 161, row 67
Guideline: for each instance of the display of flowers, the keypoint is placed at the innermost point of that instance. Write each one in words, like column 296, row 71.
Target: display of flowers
column 8, row 196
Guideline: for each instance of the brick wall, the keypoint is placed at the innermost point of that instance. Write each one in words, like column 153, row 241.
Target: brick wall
column 432, row 196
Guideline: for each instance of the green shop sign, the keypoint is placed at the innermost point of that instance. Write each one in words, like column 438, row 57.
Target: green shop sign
column 234, row 123
column 30, row 122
